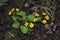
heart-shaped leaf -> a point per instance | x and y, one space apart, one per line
30 17
15 25
22 14
24 29
14 18
39 18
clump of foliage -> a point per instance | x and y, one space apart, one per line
29 21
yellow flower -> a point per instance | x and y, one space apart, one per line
47 17
12 9
43 13
35 20
36 14
31 25
44 21
10 13
17 9
26 24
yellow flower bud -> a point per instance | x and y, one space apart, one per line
43 13
35 20
9 13
31 25
36 14
12 9
44 21
47 17
17 9
26 24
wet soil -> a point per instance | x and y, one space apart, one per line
39 32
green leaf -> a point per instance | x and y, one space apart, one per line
14 18
39 18
16 25
22 14
30 17
24 29
2 2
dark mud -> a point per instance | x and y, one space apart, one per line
39 32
